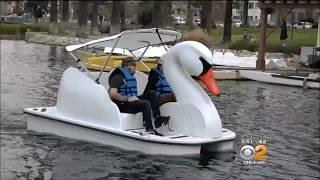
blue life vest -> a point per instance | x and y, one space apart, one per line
162 86
129 88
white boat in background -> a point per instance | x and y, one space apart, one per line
311 81
229 59
85 111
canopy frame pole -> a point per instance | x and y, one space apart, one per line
81 65
105 64
157 31
140 58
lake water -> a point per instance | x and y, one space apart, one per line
287 117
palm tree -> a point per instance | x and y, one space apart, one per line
53 28
94 18
82 19
227 22
115 18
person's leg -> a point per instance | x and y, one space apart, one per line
143 106
167 98
138 106
151 96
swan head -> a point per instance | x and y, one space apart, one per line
197 60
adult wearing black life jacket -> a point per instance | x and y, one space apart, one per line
158 83
124 93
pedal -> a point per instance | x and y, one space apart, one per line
142 134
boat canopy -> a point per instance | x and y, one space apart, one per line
132 39
152 51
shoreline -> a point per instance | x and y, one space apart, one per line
11 37
58 40
45 38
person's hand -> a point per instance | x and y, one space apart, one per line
133 98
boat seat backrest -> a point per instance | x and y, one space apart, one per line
142 80
81 98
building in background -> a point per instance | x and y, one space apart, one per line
253 12
296 15
274 19
179 9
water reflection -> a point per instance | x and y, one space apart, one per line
52 55
205 159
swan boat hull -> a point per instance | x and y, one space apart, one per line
131 139
274 78
84 110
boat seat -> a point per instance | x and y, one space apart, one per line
131 121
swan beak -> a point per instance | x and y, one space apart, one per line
208 80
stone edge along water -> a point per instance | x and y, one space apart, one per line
45 38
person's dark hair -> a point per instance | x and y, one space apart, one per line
128 61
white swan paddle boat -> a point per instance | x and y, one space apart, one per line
311 81
85 111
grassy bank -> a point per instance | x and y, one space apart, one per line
301 37
20 29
